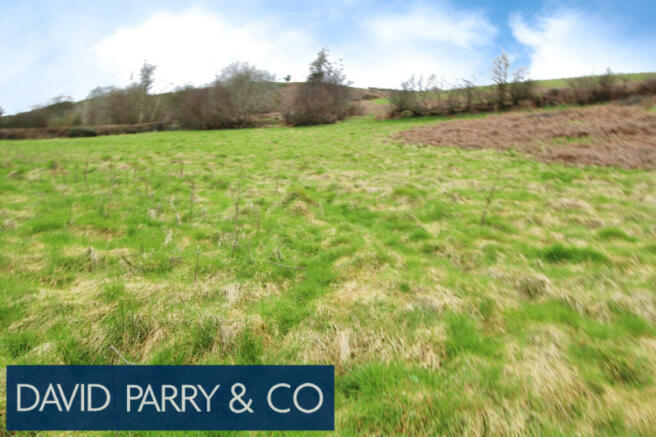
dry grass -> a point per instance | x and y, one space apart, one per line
612 135
353 250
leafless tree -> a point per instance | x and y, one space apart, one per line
522 86
146 80
417 96
234 99
323 97
247 91
499 76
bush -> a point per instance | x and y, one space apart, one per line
123 105
237 95
605 88
323 98
596 89
521 88
417 97
499 76
247 91
81 132
648 86
193 108
57 132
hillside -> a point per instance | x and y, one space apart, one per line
457 290
68 113
63 114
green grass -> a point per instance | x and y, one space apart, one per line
564 82
381 101
338 245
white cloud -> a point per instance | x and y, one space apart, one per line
464 29
452 44
194 46
569 43
190 47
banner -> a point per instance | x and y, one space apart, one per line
170 398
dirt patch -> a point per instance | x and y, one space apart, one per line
610 135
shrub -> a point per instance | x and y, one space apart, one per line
323 98
193 108
605 86
595 89
521 88
123 105
499 76
247 91
82 132
237 95
417 97
468 89
648 86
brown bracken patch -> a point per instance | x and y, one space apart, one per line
609 135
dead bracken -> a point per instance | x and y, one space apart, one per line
608 135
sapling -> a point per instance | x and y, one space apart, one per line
490 196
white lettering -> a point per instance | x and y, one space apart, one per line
108 397
170 398
208 398
50 393
308 384
190 398
130 397
271 390
18 397
152 401
68 402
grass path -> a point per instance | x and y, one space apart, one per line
338 245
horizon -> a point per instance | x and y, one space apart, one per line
71 50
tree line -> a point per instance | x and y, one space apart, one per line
243 95
238 96
510 89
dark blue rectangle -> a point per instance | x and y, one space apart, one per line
170 398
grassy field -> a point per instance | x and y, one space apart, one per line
339 245
565 82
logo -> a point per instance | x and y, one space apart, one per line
170 398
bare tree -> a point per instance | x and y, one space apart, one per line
468 87
605 86
192 107
146 80
323 98
522 86
96 106
146 76
237 95
124 105
417 96
248 91
2 111
499 76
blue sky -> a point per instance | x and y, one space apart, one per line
51 48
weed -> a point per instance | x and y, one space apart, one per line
558 253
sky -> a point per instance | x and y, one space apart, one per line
50 48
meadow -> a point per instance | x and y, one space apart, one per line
457 292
